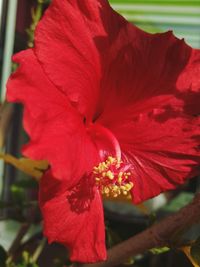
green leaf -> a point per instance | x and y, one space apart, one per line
18 193
195 251
3 257
129 261
26 257
178 202
159 250
8 232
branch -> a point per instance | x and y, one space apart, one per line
6 113
22 231
160 234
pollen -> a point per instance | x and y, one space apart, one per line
113 177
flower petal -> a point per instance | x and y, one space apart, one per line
156 127
74 218
105 59
143 67
56 130
188 84
163 153
64 46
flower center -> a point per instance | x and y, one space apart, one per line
113 177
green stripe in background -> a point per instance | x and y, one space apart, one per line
181 16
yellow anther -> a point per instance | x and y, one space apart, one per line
115 188
111 179
123 188
110 160
129 186
119 180
110 175
120 174
106 190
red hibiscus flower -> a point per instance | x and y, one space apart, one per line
112 108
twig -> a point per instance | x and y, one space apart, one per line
38 250
34 168
186 250
160 234
6 113
22 231
36 14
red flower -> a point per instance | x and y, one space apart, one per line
112 109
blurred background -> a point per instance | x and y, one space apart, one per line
21 240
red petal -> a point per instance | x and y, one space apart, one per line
155 128
74 218
163 153
133 74
106 60
188 84
141 67
65 47
56 129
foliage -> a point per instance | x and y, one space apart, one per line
159 250
26 261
